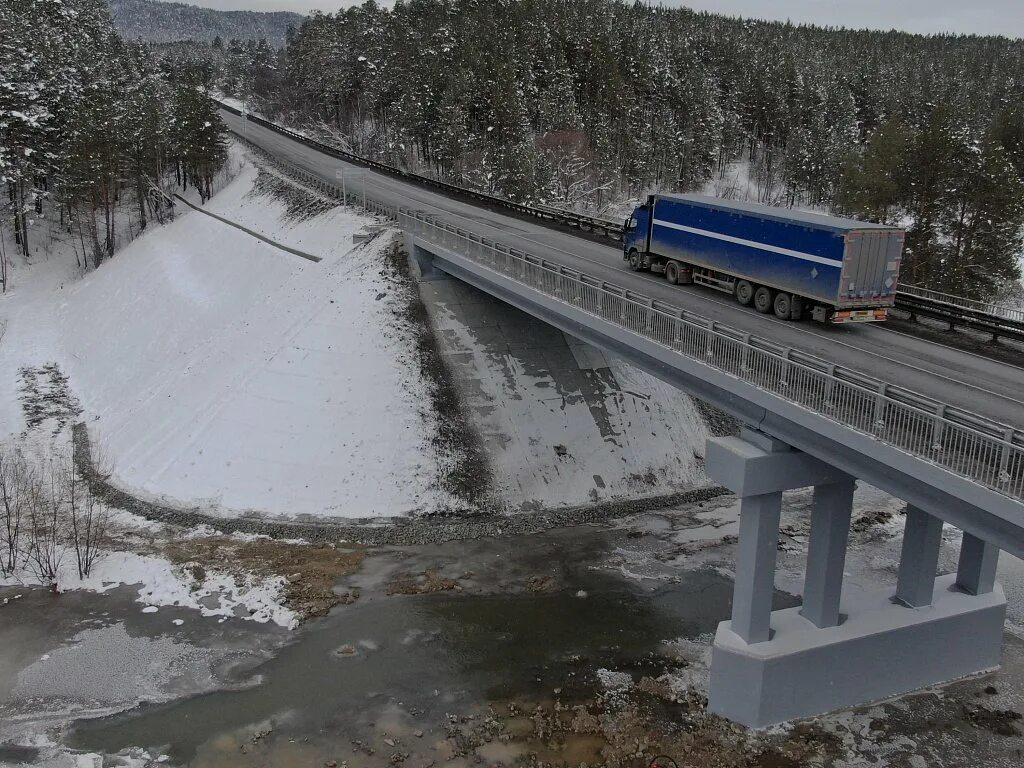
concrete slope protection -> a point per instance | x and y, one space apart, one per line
987 387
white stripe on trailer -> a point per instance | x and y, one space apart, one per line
751 243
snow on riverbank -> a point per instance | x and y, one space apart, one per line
214 369
211 592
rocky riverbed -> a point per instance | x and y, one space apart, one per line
575 645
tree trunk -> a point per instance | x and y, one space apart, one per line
140 192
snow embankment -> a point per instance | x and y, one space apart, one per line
215 369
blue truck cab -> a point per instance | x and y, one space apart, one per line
635 232
790 263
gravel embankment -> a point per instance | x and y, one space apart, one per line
405 531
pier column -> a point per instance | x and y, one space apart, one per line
976 571
826 552
759 468
919 558
771 666
755 566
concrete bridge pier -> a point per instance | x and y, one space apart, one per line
839 648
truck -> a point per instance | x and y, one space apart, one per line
791 263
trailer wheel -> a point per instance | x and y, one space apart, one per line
744 292
634 260
672 272
763 300
783 305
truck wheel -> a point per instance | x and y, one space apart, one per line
763 300
744 292
634 260
783 305
672 272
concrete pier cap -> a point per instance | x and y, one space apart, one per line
841 648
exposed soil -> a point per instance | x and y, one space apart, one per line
464 469
421 584
647 724
300 204
310 571
46 395
870 520
1003 722
719 423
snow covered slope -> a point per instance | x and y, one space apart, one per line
562 424
216 369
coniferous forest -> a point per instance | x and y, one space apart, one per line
589 103
94 129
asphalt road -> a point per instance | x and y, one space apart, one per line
975 383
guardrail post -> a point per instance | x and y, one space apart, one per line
830 386
784 378
1004 458
880 403
938 428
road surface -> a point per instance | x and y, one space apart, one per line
988 387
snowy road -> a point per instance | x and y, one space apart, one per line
977 383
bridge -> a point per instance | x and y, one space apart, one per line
822 407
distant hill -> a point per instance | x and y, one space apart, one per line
159 22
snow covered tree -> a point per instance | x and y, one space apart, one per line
579 101
84 124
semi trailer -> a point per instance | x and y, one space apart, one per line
790 263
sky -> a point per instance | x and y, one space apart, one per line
994 17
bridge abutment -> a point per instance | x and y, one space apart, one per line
422 261
839 649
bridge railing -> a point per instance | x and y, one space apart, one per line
1015 314
986 452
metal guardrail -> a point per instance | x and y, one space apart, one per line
603 227
999 327
1001 311
964 443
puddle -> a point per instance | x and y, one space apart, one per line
420 658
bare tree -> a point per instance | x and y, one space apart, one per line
89 518
47 535
15 482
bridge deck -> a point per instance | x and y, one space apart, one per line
976 383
